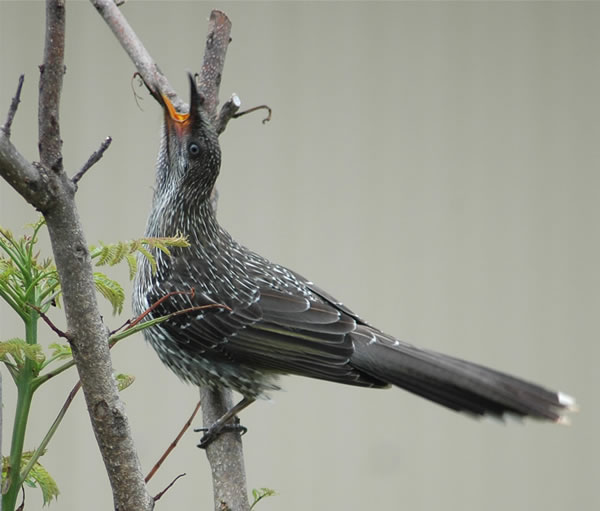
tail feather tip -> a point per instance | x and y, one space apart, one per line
568 402
563 421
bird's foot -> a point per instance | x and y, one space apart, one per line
211 434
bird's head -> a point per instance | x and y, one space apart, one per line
190 156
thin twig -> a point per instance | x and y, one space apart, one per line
47 320
126 324
41 448
160 494
94 157
191 292
179 312
254 109
14 105
173 444
140 84
22 505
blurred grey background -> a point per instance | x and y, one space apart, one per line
434 165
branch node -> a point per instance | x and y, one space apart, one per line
227 112
95 156
14 104
48 321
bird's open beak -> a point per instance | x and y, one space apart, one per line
175 121
180 122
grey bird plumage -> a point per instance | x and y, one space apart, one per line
276 321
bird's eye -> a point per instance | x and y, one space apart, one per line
194 149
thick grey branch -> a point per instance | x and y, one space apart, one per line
88 335
217 42
225 454
29 181
230 487
144 63
51 75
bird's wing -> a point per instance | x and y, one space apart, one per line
271 329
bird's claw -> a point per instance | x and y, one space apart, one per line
211 434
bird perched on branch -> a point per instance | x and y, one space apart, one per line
265 320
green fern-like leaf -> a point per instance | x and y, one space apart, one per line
151 259
111 254
124 381
162 242
132 265
261 493
60 351
101 253
19 350
39 476
115 253
111 290
121 250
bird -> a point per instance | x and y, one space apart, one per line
241 321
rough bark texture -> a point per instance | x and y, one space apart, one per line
217 41
48 188
144 63
225 454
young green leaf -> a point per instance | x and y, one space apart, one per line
132 265
261 493
38 474
19 350
111 290
124 381
60 351
115 253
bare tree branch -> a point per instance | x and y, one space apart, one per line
254 109
14 104
48 188
161 493
217 41
227 112
51 80
29 181
144 63
93 159
172 445
225 454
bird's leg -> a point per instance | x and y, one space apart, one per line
223 424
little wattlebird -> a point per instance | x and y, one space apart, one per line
265 320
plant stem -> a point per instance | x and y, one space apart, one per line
42 447
24 396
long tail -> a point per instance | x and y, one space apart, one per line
452 382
